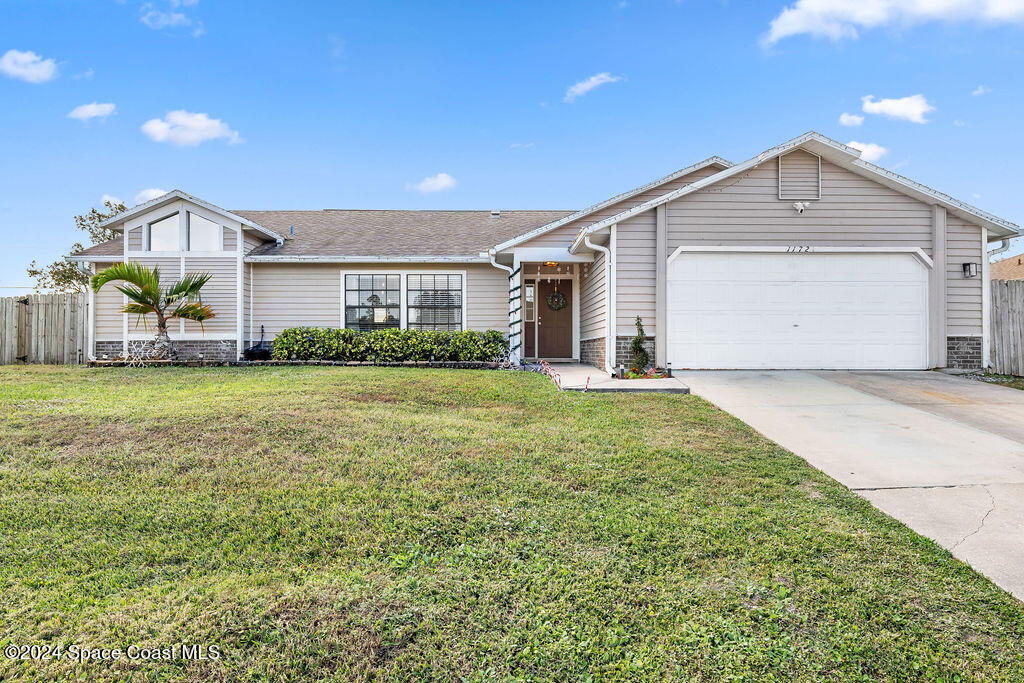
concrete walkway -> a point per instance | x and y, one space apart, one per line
942 454
579 377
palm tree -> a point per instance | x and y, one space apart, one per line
142 287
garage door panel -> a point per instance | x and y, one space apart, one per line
807 310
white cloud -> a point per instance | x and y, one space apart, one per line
85 75
912 108
27 66
839 19
959 123
869 151
981 90
520 145
434 183
158 18
96 110
187 129
109 198
151 193
583 87
850 119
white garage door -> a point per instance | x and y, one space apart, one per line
807 310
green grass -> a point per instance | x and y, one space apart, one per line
342 523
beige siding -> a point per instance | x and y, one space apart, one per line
564 235
798 175
635 273
963 295
230 239
249 333
593 314
853 211
290 294
487 298
109 320
135 241
219 293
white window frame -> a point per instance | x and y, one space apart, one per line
188 234
147 236
403 294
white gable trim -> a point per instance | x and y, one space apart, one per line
536 232
837 153
178 194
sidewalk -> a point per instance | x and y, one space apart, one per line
579 377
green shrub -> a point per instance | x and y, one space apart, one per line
388 346
641 360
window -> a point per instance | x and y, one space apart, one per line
372 302
435 302
203 235
529 303
163 235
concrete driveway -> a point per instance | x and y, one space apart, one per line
942 454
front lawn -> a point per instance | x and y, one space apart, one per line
349 523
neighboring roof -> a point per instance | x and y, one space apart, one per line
112 248
1008 269
179 194
575 216
836 152
374 235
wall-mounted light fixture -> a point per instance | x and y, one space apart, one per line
970 269
551 264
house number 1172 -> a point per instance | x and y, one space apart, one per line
798 249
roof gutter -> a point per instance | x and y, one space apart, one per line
363 259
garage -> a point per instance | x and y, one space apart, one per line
797 308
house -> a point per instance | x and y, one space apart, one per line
1008 269
803 256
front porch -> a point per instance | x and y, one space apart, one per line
551 311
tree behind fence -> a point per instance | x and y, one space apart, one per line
1007 327
43 328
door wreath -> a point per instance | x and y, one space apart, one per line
556 300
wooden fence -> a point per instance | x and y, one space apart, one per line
1007 327
44 328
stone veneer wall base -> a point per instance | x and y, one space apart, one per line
623 352
184 349
592 352
963 353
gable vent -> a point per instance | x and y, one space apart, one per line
799 175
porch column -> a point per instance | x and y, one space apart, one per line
515 312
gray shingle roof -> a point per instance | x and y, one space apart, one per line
111 248
342 232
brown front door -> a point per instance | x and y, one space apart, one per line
554 327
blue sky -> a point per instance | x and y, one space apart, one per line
310 105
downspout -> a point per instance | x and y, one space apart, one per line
509 270
609 343
1003 246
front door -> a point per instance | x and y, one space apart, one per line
554 319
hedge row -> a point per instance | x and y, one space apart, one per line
316 343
